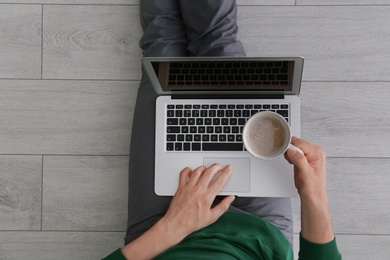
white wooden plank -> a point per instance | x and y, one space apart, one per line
85 193
265 2
20 41
340 43
358 191
58 245
73 2
349 119
20 192
66 117
343 2
91 42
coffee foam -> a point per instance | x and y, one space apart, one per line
266 137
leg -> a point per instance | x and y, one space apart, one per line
211 27
164 33
163 36
212 31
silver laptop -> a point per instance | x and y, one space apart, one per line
202 107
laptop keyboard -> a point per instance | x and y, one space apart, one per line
229 73
214 127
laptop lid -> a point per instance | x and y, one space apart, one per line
230 76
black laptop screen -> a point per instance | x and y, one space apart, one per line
225 75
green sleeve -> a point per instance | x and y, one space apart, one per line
309 250
116 255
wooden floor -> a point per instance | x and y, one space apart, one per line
69 73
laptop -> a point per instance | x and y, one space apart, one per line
201 109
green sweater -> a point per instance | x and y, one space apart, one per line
242 236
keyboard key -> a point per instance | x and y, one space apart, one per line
284 106
229 113
205 138
218 129
201 129
216 121
210 129
186 146
171 113
180 138
179 106
231 138
171 106
195 113
171 138
238 138
178 146
196 146
241 121
173 129
214 138
226 129
233 121
222 147
222 138
179 113
169 146
266 106
184 129
193 130
235 129
212 113
225 121
183 121
275 106
187 113
197 138
191 121
172 121
254 112
188 138
283 113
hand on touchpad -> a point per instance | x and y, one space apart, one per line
239 180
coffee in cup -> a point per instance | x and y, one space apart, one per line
267 135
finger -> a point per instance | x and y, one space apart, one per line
209 174
305 146
196 174
220 181
222 207
184 176
311 151
297 159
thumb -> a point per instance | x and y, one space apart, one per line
297 159
222 207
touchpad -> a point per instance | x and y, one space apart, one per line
239 180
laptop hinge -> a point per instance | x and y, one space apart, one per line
229 96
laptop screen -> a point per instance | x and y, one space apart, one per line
217 75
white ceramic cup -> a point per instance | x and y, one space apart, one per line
267 135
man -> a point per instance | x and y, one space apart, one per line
196 224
